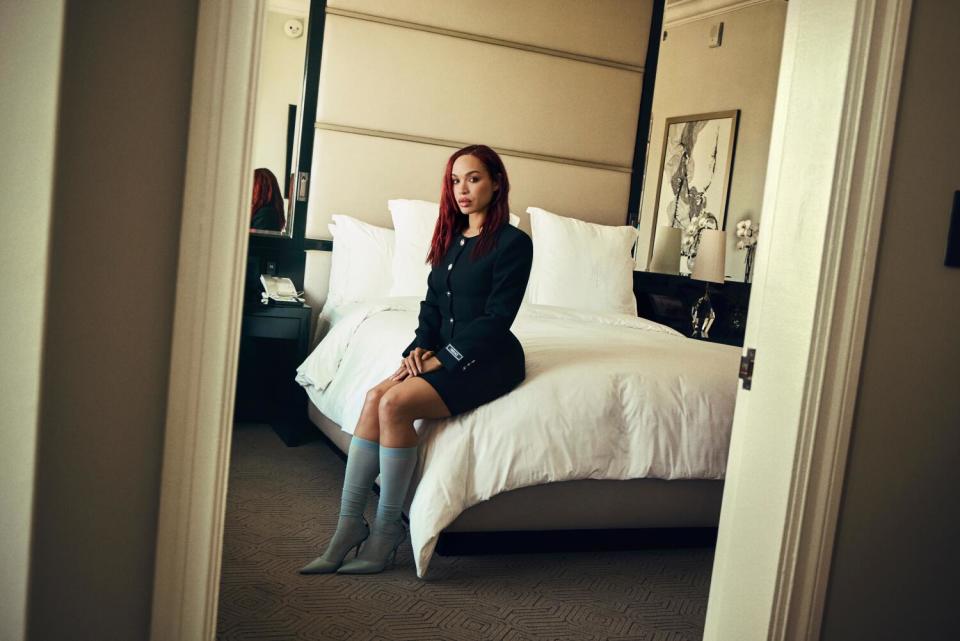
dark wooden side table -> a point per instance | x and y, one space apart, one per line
667 299
273 342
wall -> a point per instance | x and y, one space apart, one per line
553 85
117 197
279 85
31 72
896 559
693 78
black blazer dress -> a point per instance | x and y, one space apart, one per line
466 317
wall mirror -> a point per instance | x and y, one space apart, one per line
712 116
277 117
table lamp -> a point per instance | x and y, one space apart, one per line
666 250
708 267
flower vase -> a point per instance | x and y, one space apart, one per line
748 268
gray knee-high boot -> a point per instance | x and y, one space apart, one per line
363 464
388 532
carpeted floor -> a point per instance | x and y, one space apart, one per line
282 507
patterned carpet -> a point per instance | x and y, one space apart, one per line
282 507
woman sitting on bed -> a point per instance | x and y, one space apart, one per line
463 355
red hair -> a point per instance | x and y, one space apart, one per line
451 222
266 193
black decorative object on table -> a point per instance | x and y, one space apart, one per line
702 316
273 342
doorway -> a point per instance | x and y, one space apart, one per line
784 576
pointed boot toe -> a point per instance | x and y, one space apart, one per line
379 550
334 556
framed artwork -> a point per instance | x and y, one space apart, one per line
694 180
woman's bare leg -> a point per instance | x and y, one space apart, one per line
401 404
368 426
363 464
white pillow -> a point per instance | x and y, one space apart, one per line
414 222
581 265
361 261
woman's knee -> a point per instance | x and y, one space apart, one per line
374 394
392 405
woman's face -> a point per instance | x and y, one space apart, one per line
471 184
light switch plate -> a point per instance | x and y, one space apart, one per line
716 34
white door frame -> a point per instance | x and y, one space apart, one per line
824 196
841 214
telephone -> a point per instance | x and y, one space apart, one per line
279 291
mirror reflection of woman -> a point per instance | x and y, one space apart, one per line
463 355
266 210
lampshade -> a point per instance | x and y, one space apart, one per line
666 250
711 256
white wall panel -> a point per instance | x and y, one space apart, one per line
394 79
356 175
609 29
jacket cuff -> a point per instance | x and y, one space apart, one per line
416 343
452 359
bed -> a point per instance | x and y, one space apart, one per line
620 423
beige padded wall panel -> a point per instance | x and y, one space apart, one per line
356 175
593 195
613 29
387 78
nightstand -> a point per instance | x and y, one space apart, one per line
273 343
667 299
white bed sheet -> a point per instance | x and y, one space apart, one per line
606 396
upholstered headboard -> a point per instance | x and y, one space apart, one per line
553 85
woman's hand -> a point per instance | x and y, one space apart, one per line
431 364
417 362
401 373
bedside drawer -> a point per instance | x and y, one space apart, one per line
267 327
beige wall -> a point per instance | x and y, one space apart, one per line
693 78
31 72
119 164
896 559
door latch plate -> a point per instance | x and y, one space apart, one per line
746 367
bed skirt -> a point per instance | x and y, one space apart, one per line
578 504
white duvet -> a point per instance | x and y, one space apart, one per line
606 396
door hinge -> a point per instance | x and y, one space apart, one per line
303 183
746 367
